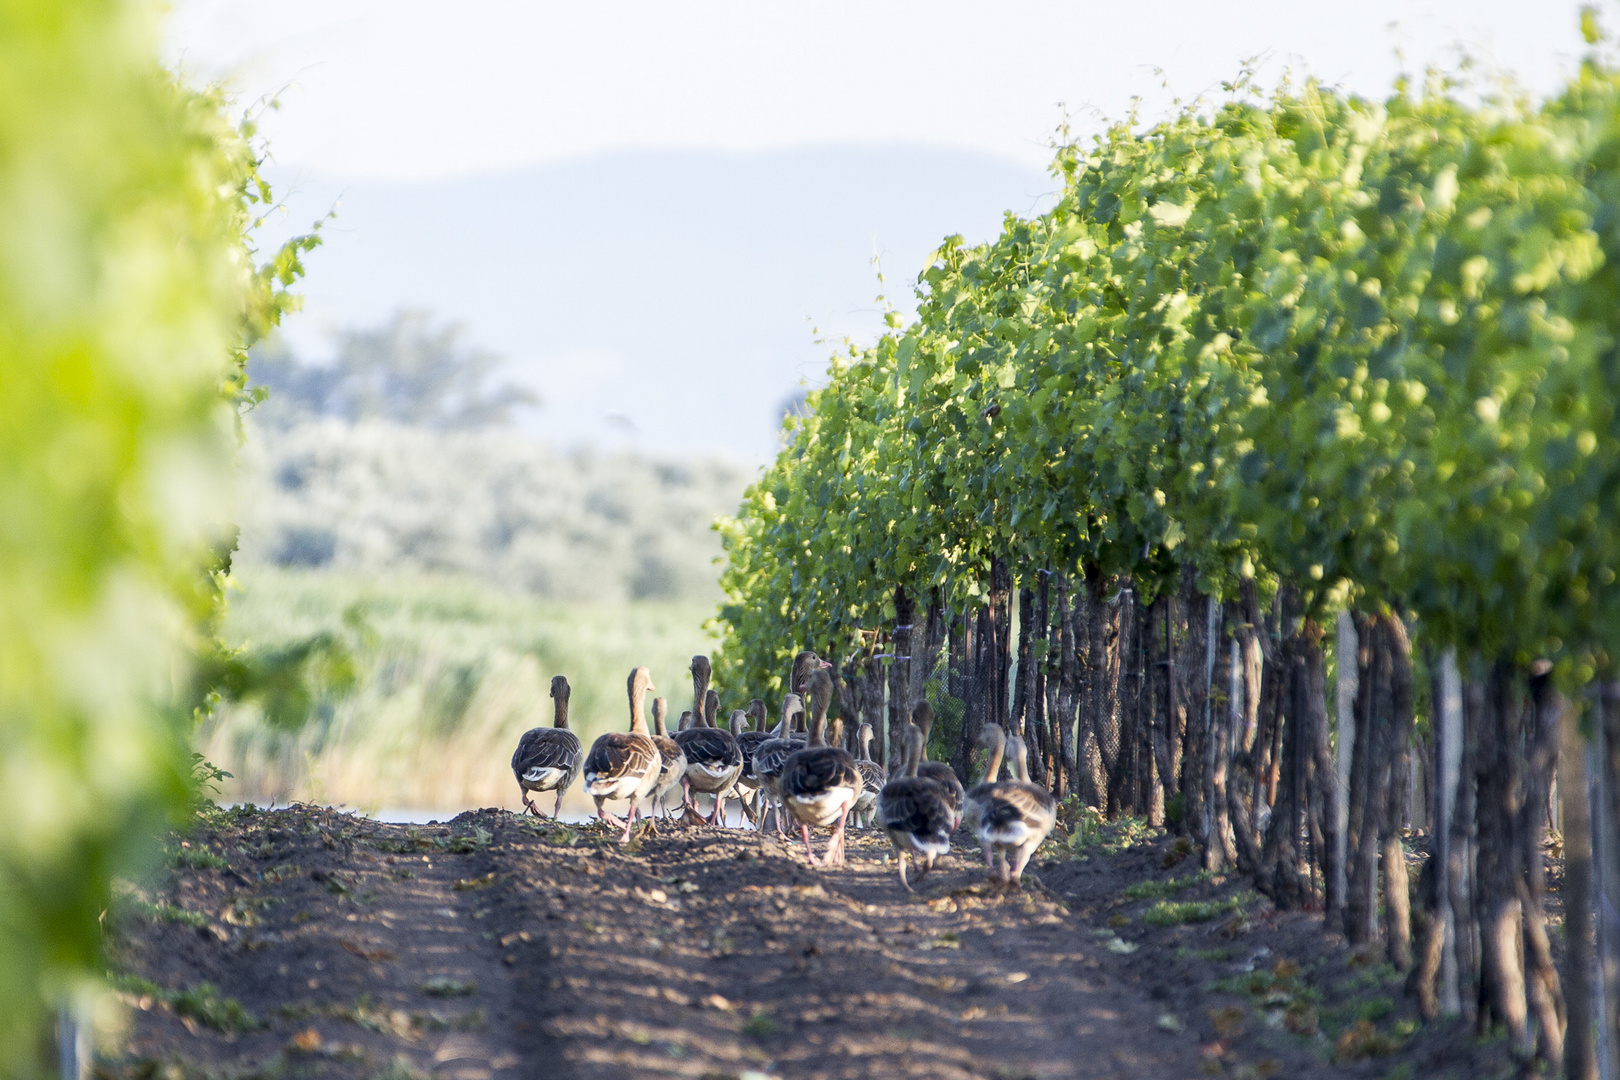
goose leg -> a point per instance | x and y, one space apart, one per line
836 844
1024 854
809 852
630 820
555 810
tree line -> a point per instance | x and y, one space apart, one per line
1292 399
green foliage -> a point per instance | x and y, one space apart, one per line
202 1003
444 986
1176 912
129 294
1157 890
1364 347
1088 828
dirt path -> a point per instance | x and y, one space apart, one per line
496 947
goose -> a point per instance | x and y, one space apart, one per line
712 758
673 767
820 782
773 752
747 743
914 812
922 715
624 765
741 791
873 775
1015 816
993 739
548 758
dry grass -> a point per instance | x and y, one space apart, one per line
451 673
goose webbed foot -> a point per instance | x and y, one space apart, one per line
609 817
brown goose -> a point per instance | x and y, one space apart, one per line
673 767
624 765
738 726
914 813
773 752
1015 816
712 758
993 739
820 782
873 776
922 715
548 758
747 743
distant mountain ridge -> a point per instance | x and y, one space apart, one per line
660 300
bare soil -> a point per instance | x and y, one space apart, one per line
493 946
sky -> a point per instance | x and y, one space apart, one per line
654 209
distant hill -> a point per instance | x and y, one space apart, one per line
661 301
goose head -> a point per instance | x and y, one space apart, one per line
1020 757
992 738
637 686
792 713
701 672
660 710
804 663
821 690
922 717
756 713
559 697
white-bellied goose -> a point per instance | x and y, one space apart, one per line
820 782
773 752
673 769
873 777
922 715
1014 817
913 812
625 765
712 758
548 758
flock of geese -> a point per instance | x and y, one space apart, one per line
792 771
